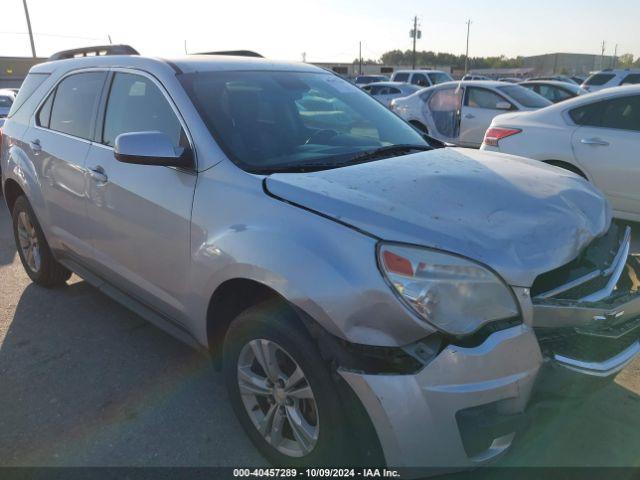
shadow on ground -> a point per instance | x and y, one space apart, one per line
85 382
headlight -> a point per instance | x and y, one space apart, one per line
452 293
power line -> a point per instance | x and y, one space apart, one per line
466 55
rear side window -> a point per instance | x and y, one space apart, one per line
75 103
137 105
631 79
30 84
401 77
438 77
619 113
599 79
44 115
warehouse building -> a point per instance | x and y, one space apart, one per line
13 70
568 63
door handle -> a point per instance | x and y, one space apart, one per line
35 145
468 115
596 142
97 174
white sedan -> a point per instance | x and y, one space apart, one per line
596 136
460 112
384 92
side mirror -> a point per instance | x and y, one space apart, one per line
151 148
503 106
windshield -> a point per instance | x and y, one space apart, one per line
264 120
439 77
524 96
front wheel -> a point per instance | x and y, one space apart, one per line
284 394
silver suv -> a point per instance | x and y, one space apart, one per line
371 297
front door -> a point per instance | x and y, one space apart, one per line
140 214
480 107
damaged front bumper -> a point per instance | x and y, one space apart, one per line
590 324
461 410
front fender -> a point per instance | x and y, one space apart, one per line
326 269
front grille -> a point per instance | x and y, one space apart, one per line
592 276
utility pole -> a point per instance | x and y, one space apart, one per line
360 56
304 57
415 34
26 13
614 61
604 44
466 55
185 48
110 41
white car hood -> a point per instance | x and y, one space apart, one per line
519 217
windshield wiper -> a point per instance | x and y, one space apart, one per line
387 151
378 153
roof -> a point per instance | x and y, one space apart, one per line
186 64
418 70
393 84
555 83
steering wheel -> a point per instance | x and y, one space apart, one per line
325 133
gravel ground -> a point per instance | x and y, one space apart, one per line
84 382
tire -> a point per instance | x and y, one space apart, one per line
338 442
34 251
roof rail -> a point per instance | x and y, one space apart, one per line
100 50
236 53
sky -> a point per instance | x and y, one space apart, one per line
324 30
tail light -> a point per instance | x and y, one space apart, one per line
495 134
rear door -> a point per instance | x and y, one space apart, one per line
479 109
606 145
140 215
58 145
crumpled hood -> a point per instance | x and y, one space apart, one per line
519 216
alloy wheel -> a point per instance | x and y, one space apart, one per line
28 239
278 398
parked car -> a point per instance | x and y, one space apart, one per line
578 79
595 136
367 79
384 92
470 77
557 78
510 79
6 100
554 90
422 78
370 298
460 112
611 78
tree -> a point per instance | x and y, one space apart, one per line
626 60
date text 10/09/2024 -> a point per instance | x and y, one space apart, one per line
315 473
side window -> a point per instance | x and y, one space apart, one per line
137 105
631 79
482 98
622 113
368 88
393 90
420 79
401 77
5 102
30 85
75 104
44 115
587 115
